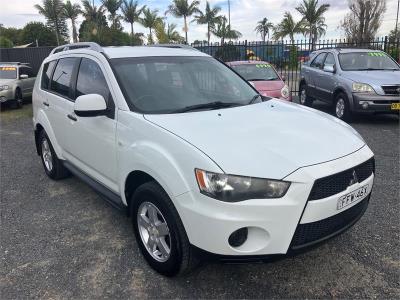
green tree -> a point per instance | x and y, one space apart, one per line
38 32
288 27
131 13
209 17
52 10
263 28
5 42
182 8
72 12
149 20
224 31
166 33
94 14
11 33
113 6
313 19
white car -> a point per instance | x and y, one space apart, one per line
201 162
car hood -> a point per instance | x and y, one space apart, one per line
267 140
6 81
374 77
268 85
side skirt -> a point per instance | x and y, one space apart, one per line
109 196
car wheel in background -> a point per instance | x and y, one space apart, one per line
52 165
159 231
18 101
342 108
304 99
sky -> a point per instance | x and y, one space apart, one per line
244 15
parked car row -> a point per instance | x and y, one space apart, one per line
16 82
198 158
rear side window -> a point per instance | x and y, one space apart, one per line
47 70
61 80
91 80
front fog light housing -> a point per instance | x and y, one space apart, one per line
362 88
233 188
285 92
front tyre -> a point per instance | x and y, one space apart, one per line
159 231
18 101
51 164
342 107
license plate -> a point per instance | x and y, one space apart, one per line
395 106
352 197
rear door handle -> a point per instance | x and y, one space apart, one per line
71 117
46 104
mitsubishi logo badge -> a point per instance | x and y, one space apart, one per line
354 178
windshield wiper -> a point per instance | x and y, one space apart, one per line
211 105
254 98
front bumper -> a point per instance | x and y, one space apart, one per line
374 103
6 95
271 223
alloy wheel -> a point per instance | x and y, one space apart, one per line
154 231
340 107
46 155
303 96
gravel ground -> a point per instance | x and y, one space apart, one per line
61 240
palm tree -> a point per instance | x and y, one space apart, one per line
131 12
224 31
263 27
113 6
150 20
288 27
92 13
209 17
182 8
52 10
72 12
314 21
166 33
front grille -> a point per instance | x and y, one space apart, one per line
391 89
311 233
336 183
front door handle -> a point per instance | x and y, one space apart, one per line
46 104
71 117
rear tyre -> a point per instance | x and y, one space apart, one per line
304 99
51 164
159 231
342 107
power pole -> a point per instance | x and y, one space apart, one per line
397 19
229 13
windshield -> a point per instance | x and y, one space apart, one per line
170 84
359 61
8 73
256 72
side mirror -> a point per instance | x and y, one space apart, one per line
23 76
329 68
90 105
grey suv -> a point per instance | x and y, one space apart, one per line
352 80
16 82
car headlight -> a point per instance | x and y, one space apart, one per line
362 88
233 188
4 87
285 91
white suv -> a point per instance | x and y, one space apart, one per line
199 159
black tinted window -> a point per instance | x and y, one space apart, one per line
318 61
91 80
61 80
47 69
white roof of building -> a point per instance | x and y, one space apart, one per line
143 51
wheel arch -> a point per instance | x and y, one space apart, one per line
339 90
42 123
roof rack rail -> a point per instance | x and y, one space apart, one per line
90 45
13 63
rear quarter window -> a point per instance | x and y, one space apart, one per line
46 74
